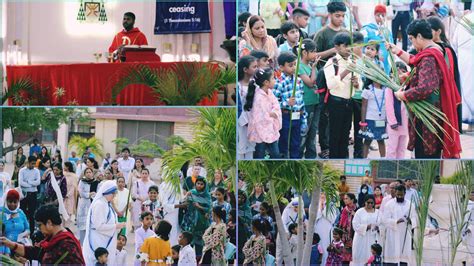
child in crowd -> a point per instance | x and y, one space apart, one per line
247 68
376 258
316 250
265 114
336 248
187 255
308 73
292 35
175 254
101 255
293 239
143 232
220 201
373 117
262 58
153 205
290 105
397 120
121 253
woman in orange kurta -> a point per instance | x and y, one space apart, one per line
156 250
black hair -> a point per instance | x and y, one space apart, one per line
291 227
99 252
342 176
57 165
43 161
287 26
126 149
401 65
122 235
48 212
254 19
153 187
364 186
201 179
176 248
188 236
261 75
163 230
260 225
243 194
379 187
357 37
221 190
338 231
69 166
232 215
145 169
336 6
352 197
307 45
437 24
244 62
243 17
32 159
138 159
145 214
220 212
342 38
316 238
399 181
367 197
286 57
422 27
131 15
401 188
259 54
377 248
300 12
266 206
94 162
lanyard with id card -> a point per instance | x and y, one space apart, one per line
379 123
295 115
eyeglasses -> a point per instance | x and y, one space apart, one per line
369 202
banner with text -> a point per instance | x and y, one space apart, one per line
182 17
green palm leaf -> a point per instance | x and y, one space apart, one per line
81 143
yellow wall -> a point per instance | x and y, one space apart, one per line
106 130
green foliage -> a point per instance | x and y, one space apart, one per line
181 85
81 143
147 148
214 141
121 143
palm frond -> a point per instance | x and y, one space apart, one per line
18 90
466 23
134 75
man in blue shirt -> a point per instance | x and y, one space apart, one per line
35 147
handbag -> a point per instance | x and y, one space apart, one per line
229 251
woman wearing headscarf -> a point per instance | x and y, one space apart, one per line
255 37
245 213
345 223
363 192
86 194
196 218
17 228
101 224
60 179
323 225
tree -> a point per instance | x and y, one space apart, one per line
214 140
81 143
31 120
303 176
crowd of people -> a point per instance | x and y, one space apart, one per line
366 227
283 114
51 205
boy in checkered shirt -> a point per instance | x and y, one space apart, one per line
284 91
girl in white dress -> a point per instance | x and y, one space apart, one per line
140 195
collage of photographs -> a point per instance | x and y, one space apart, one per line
237 132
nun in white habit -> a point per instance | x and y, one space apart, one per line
169 198
101 225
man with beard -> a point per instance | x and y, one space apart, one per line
129 36
399 218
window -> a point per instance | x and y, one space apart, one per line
399 169
156 132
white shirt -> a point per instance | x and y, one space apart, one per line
126 166
202 172
411 193
121 257
375 100
187 256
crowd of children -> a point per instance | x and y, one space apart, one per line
282 114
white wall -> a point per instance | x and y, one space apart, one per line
50 33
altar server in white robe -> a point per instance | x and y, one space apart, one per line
323 225
366 223
102 226
399 217
169 198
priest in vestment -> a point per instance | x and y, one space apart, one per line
399 218
129 36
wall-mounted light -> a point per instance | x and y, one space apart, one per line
167 52
194 56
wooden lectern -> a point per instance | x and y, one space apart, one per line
135 53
